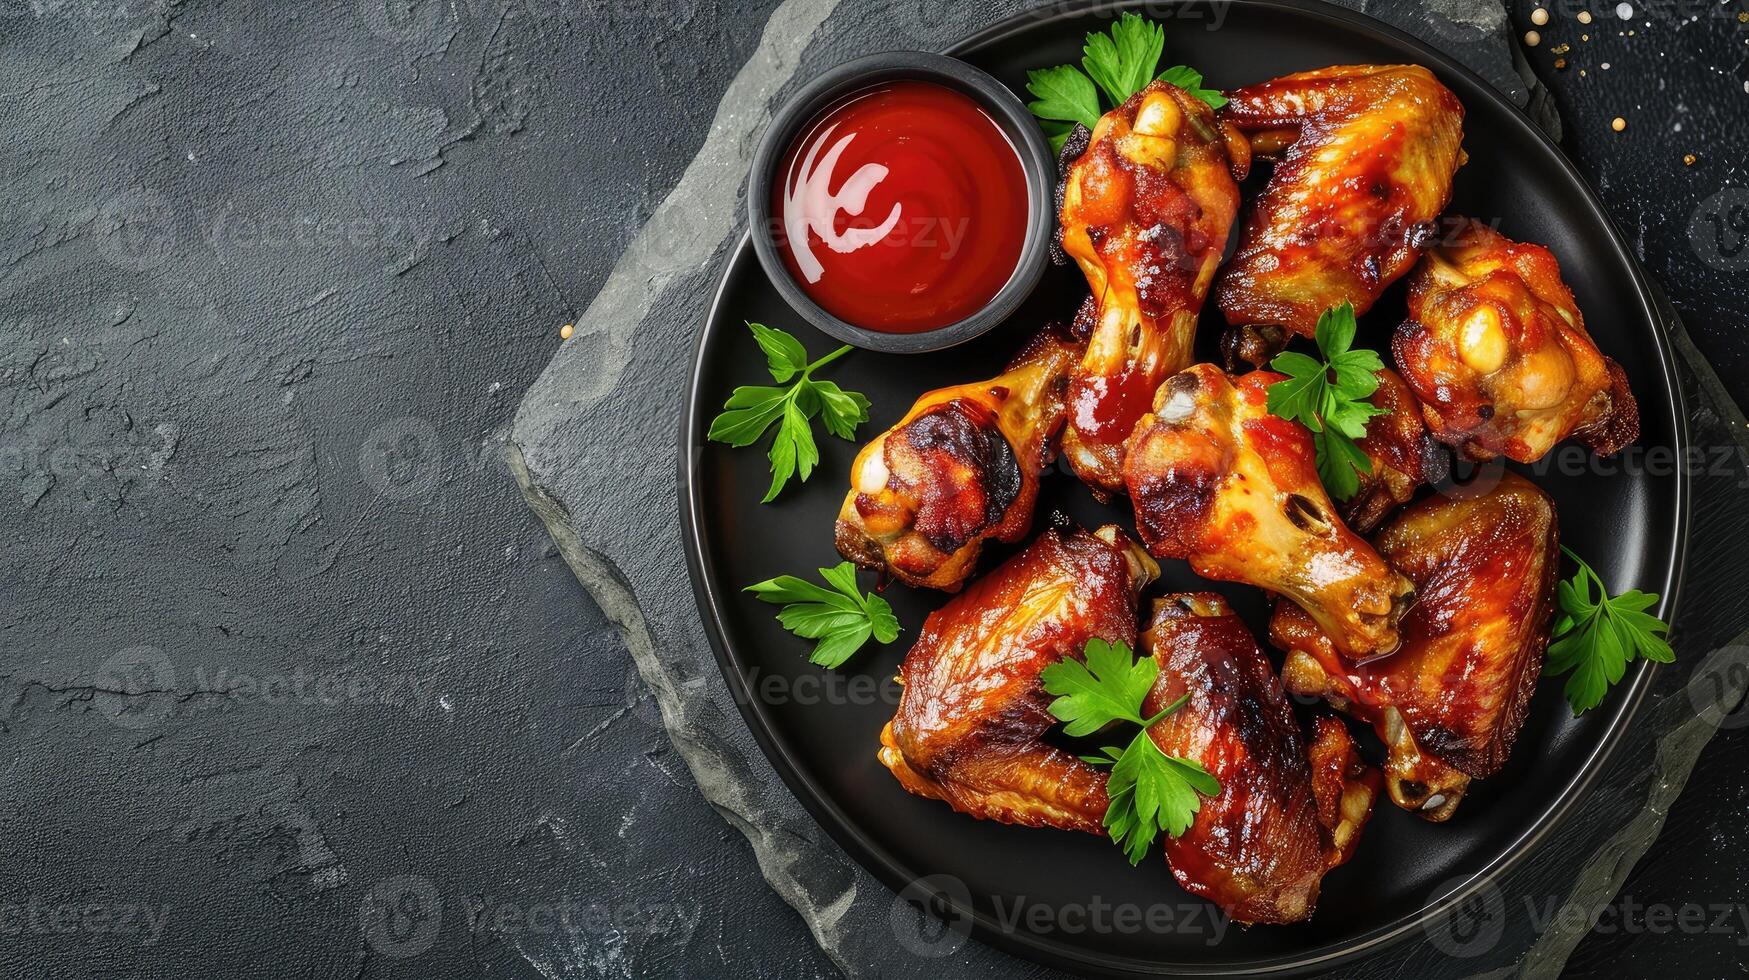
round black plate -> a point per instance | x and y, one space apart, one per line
822 738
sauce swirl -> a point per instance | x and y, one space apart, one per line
901 208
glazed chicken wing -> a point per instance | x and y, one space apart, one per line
1218 480
1450 702
1402 454
1366 156
1497 351
1260 847
973 709
959 469
1145 212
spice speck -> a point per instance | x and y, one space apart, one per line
1532 38
1688 159
565 331
1584 16
1539 17
1618 124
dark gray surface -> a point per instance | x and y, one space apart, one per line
275 279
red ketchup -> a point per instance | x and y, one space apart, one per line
901 208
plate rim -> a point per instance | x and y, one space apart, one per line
847 831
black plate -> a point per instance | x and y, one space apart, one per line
1631 527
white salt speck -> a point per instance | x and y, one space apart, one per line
444 702
1676 128
1604 66
1625 11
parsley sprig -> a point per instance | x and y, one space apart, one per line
1597 636
751 409
1330 397
842 618
1119 63
1149 790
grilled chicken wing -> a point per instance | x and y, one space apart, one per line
1402 454
1497 351
1145 212
1366 156
973 709
1450 702
1218 480
1260 847
959 469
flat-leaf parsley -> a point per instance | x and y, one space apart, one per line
751 409
1149 790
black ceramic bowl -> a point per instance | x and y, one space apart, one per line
1009 114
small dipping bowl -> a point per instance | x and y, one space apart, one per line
845 186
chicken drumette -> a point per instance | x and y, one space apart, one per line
1365 158
961 468
970 720
1450 702
1260 847
1145 212
1497 351
1218 480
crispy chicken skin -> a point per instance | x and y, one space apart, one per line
1145 211
1449 704
973 709
961 468
1344 786
1218 480
1260 847
1497 352
1402 454
1365 156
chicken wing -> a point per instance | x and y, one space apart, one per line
1218 480
1260 847
1449 704
959 469
1366 156
1402 454
973 709
1497 351
1145 212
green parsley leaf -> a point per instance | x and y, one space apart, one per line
784 353
841 618
840 411
1330 397
1598 636
1108 687
751 409
1122 62
1190 80
1149 790
1065 95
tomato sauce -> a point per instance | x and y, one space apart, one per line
901 208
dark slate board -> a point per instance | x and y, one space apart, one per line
589 447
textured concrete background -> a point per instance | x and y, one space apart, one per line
293 682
